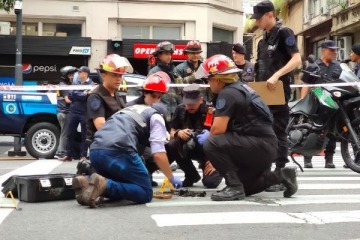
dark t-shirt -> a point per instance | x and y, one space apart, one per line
230 102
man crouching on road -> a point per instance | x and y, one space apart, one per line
116 153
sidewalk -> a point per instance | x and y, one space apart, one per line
7 143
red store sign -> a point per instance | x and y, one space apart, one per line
144 50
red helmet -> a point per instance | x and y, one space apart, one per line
193 47
157 82
115 64
217 64
164 47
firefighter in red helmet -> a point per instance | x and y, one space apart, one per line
241 143
163 55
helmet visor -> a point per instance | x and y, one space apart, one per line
201 72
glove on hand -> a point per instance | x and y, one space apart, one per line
176 182
190 79
203 136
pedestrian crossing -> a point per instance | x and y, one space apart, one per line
325 196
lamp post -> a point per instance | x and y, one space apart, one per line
18 70
18 43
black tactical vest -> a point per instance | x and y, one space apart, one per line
257 120
271 58
111 105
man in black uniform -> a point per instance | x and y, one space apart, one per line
329 66
241 144
105 99
277 57
187 122
238 54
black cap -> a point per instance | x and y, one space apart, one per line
329 44
191 94
84 69
356 48
239 48
261 8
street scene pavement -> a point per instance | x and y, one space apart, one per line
327 206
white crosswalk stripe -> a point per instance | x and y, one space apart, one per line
318 186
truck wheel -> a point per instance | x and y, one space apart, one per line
42 140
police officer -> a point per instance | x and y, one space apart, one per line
187 122
187 69
329 66
241 143
238 54
154 87
105 99
77 116
277 57
63 104
163 55
116 156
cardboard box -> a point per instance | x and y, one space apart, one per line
270 97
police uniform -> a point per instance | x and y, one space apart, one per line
117 148
184 152
333 70
274 52
249 145
101 104
247 73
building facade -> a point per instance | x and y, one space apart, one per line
59 33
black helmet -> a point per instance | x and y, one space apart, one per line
65 71
164 47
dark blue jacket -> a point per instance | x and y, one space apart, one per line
78 99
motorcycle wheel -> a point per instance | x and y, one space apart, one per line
350 156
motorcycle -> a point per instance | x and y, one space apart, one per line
327 110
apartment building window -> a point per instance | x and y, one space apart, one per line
223 35
170 32
61 30
315 6
28 29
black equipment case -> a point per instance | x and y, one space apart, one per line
41 188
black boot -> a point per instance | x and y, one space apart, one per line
234 189
276 187
288 178
329 162
307 162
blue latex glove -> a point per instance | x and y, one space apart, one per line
176 182
203 136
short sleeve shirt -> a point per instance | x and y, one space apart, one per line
231 103
95 107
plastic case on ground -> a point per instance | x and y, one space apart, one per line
41 188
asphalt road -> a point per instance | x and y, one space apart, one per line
327 206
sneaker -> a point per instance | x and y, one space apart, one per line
95 190
173 166
59 155
80 184
66 159
83 159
